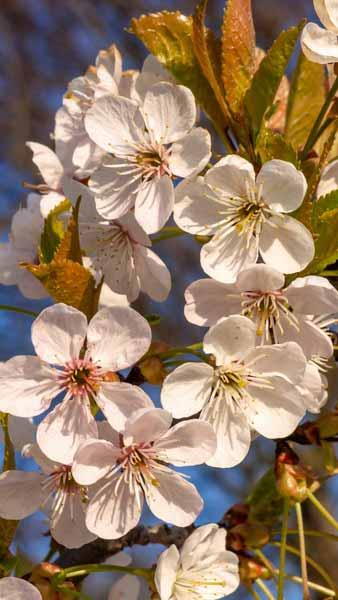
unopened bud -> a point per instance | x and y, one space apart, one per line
152 368
41 577
236 515
251 569
253 535
291 477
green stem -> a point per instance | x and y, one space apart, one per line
266 562
9 455
83 570
312 533
265 589
329 273
282 554
313 563
303 563
323 511
167 233
17 309
317 124
311 584
192 349
254 593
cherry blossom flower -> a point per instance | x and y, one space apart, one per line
24 492
203 569
13 588
120 250
72 142
318 44
280 314
329 179
114 339
245 217
248 388
152 143
135 467
24 238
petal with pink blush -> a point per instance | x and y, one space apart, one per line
93 461
68 524
146 425
118 401
189 443
21 494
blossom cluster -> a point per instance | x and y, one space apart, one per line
129 155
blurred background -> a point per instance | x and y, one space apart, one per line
43 45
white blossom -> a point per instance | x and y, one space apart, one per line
114 339
329 179
248 388
24 239
246 217
202 570
281 314
135 466
13 588
152 143
320 44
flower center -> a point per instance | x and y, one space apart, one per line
267 310
81 377
61 484
153 162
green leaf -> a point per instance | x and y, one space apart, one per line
261 94
266 503
70 245
168 35
306 98
238 52
325 219
53 232
272 145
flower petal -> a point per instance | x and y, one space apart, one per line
154 203
208 300
126 588
58 333
27 386
319 45
312 339
201 542
189 443
327 11
117 337
114 188
172 499
13 588
312 295
286 244
227 254
66 427
262 278
169 111
231 176
93 461
283 187
197 208
329 179
118 401
191 382
154 275
230 339
285 360
48 164
21 494
191 154
115 509
146 425
68 523
166 571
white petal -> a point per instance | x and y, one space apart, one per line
191 154
114 189
75 190
155 278
312 339
48 164
227 254
169 112
285 359
231 176
208 300
21 494
319 45
113 124
115 509
93 461
232 431
21 431
230 339
203 541
108 298
68 523
58 333
146 425
217 576
118 401
172 499
197 208
117 337
154 203
109 67
283 187
29 286
13 588
126 588
312 295
9 268
186 390
327 11
50 201
189 443
329 180
27 386
286 244
66 427
261 278
275 413
166 572
314 389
